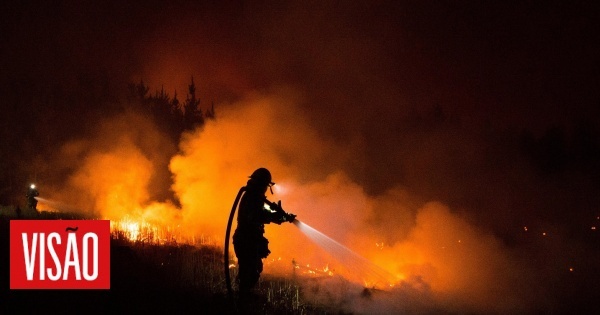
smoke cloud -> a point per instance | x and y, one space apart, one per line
115 172
440 258
417 134
433 251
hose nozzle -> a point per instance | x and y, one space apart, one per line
290 217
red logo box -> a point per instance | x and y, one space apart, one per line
60 254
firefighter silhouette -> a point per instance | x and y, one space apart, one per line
249 243
31 194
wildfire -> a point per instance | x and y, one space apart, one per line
310 270
316 271
279 265
146 232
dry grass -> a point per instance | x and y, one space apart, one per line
200 269
151 274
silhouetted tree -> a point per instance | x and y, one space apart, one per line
161 104
175 106
192 115
138 91
210 113
168 113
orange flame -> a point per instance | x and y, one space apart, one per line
415 242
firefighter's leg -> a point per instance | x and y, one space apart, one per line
249 273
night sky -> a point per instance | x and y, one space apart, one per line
491 108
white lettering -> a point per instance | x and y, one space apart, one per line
55 271
72 258
29 254
56 276
86 273
42 255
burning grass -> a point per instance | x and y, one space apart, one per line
198 267
152 269
142 231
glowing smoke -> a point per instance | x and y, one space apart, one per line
437 256
460 266
114 170
363 270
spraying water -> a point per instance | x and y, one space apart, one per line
369 273
57 205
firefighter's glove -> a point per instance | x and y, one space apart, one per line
278 208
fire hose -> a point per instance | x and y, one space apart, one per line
226 251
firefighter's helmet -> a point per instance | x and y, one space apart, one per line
262 176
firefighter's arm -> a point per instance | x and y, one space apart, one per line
279 215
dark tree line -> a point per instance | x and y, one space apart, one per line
172 115
38 117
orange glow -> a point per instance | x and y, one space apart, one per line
423 245
142 231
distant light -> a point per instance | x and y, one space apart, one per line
571 269
32 186
593 227
544 233
525 228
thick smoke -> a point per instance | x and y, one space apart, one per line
399 137
440 258
433 252
115 172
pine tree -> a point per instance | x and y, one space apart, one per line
210 113
175 106
192 115
138 91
